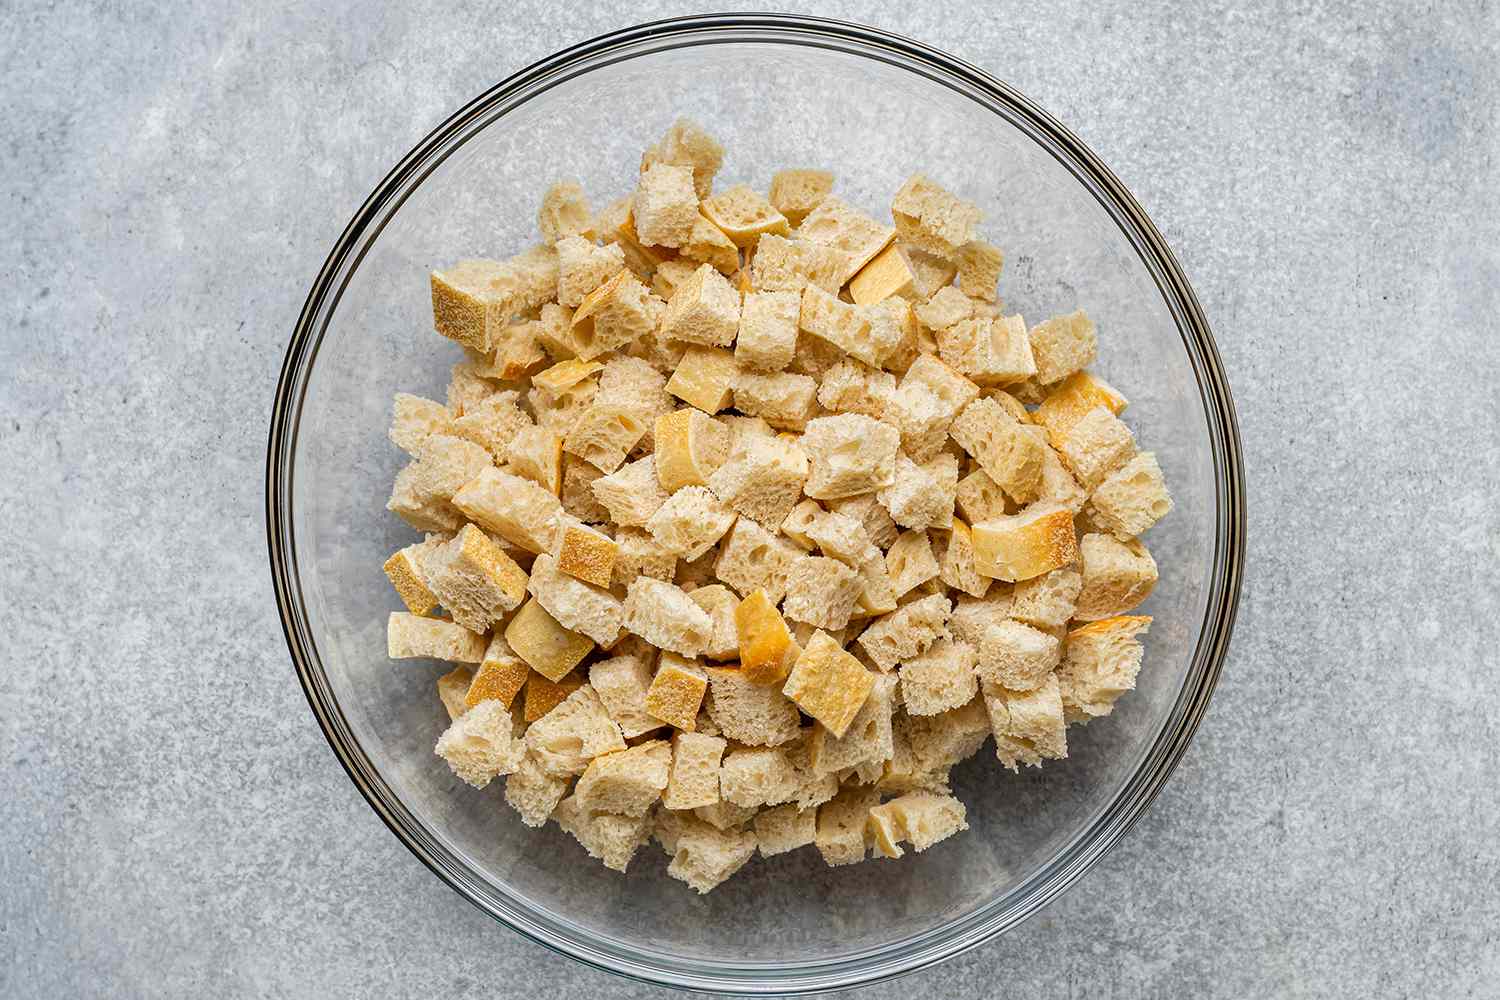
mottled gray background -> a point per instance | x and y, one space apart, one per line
171 820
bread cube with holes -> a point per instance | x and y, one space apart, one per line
752 558
762 481
705 857
533 793
691 522
867 742
414 420
611 839
676 691
721 604
744 215
1020 546
958 567
1100 663
940 679
785 265
687 144
828 684
475 580
928 399
836 223
516 509
1015 656
767 336
922 496
622 683
785 400
424 489
1049 600
1132 498
750 713
758 776
413 636
785 828
1063 345
690 445
704 309
979 266
1097 445
841 824
931 218
907 632
910 562
666 617
583 267
849 454
1008 451
480 744
627 782
1029 726
822 592
665 206
564 213
707 244
693 781
576 605
795 193
573 733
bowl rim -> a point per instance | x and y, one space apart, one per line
1088 845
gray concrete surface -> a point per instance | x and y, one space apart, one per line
172 823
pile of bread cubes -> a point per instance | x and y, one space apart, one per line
747 523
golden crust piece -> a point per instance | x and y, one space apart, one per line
744 215
676 692
550 649
767 651
828 683
500 676
1020 546
543 695
586 554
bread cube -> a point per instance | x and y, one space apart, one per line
720 603
979 267
424 489
1015 656
940 679
1117 576
705 378
576 606
534 793
766 649
1071 399
1029 726
468 305
785 828
1132 498
707 244
671 273
695 573
988 351
907 632
750 713
783 265
828 684
930 218
676 692
893 327
752 558
641 258
743 215
768 330
851 387
633 384
922 818
910 562
414 419
940 741
705 857
849 454
560 412
799 521
553 331
1047 601
691 522
758 776
493 423
535 453
841 537
1020 546
604 435
944 309
979 498
1008 451
1058 485
1095 446
480 744
957 567
822 592
407 573
452 689
612 315
762 481
500 676
876 520
1063 345
930 272
930 396
632 493
666 617
922 496
516 509
411 636
665 205
543 695
841 825
867 742
786 401
705 309
888 273
627 782
971 615
611 839
1100 663
837 323
574 733
564 213
638 554
689 447
621 683
694 778
586 554
836 223
795 193
583 267
687 144
546 645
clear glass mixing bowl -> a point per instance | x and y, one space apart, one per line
778 92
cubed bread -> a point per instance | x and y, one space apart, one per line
695 573
758 776
452 689
691 522
766 649
1020 546
743 214
543 695
893 328
841 537
930 218
1049 600
1063 345
705 857
750 713
836 223
988 351
721 604
534 793
553 331
705 378
799 521
922 818
468 385
411 636
979 267
841 825
424 489
676 692
705 309
614 314
577 606
535 453
586 554
1095 446
1008 451
851 387
910 562
414 419
604 435
1071 399
493 422
867 509
611 839
867 742
930 271
639 554
822 592
634 384
690 445
665 205
783 265
785 400
560 411
979 498
763 480
1015 656
828 684
929 397
1100 663
564 213
473 299
751 558
785 828
1132 498
671 273
687 144
694 778
627 782
666 617
516 509
1028 725
888 273
939 679
632 493
849 454
768 330
957 566
922 496
500 676
480 744
838 323
794 193
583 267
474 579
641 258
574 733
944 309
707 244
1058 485
622 683
907 632
408 575
541 641
940 741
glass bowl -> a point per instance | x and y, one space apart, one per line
777 91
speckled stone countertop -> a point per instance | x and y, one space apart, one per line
173 178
